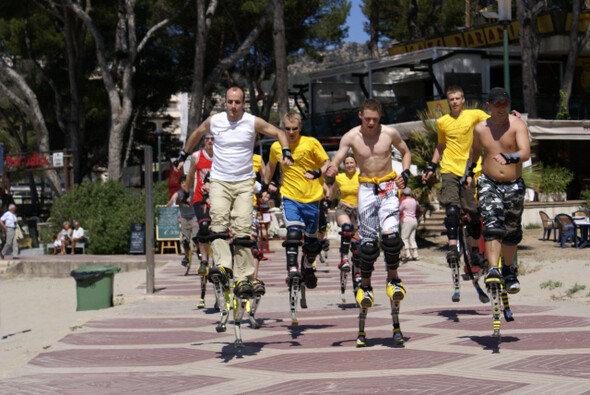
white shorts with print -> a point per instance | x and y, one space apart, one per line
378 209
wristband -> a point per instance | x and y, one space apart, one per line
405 175
430 168
317 173
468 172
511 158
287 153
264 188
181 158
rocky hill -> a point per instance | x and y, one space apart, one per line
347 53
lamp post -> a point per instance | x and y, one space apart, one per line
159 123
505 17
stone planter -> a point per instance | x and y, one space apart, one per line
552 197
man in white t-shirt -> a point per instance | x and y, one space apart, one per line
9 223
77 235
231 188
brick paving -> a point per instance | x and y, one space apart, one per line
164 344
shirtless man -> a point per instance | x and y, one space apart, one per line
378 203
504 139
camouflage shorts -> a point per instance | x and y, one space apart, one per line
501 205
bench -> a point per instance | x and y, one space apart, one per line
79 245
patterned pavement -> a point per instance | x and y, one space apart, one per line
164 344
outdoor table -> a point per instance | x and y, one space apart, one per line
584 225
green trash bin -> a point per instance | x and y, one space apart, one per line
94 286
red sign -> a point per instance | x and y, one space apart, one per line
36 160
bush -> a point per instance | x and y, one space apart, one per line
585 195
106 211
556 179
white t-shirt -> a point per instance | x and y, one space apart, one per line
233 146
77 233
9 219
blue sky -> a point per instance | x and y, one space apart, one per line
355 22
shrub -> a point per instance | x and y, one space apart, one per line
556 179
106 211
585 195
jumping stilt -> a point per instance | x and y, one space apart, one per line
303 300
221 286
343 276
201 304
239 310
361 340
507 312
252 311
398 337
494 285
294 282
456 281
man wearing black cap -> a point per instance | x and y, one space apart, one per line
455 133
504 139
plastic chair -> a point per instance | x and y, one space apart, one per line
568 231
548 226
580 214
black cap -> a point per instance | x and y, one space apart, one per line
498 94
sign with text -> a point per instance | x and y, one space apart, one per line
137 239
168 227
58 159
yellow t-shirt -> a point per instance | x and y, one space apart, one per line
257 166
349 187
457 134
308 154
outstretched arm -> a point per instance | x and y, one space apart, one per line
263 127
345 145
192 142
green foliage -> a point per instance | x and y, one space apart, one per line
556 179
585 195
577 287
532 226
563 109
533 176
106 211
551 284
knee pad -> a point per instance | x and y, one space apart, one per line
474 228
291 243
346 235
391 244
493 234
326 244
452 221
311 247
244 242
204 233
186 245
356 260
513 238
368 254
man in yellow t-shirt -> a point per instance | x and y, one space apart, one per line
455 135
302 190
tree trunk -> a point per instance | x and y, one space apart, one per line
374 29
529 46
203 24
282 77
120 91
576 45
26 101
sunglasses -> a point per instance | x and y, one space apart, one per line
208 138
290 129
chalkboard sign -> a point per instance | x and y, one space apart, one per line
137 240
167 227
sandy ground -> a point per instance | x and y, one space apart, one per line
36 313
